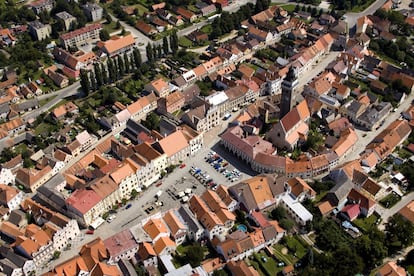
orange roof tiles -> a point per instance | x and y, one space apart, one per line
159 85
124 171
83 200
173 222
325 207
298 186
346 141
117 43
155 227
173 143
408 211
7 193
391 269
163 243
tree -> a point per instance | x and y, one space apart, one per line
140 270
121 66
278 213
371 248
399 233
347 261
152 121
84 81
104 35
174 42
56 255
104 74
159 51
111 70
165 45
195 254
150 53
127 63
118 25
137 58
287 224
98 75
93 80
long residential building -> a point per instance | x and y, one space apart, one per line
80 36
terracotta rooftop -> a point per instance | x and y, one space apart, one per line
117 43
120 243
155 227
83 200
408 211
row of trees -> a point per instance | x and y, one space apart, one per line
108 73
156 52
231 21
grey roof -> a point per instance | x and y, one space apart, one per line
16 216
48 190
7 266
4 108
29 104
189 219
343 185
244 195
269 233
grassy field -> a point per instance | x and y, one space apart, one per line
390 200
289 7
111 27
185 42
366 224
296 246
207 29
267 264
360 8
286 258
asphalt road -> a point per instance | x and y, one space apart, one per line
61 94
351 17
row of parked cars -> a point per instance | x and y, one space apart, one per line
221 166
203 177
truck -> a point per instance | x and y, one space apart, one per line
158 194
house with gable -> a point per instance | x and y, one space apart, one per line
10 197
159 86
121 245
292 128
176 226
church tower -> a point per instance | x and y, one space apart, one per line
288 89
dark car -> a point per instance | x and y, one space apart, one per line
128 206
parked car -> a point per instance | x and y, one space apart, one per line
129 205
182 166
90 232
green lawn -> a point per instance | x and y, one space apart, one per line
403 153
111 27
267 264
286 258
42 128
366 224
289 7
207 29
185 42
390 200
360 8
256 265
296 246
